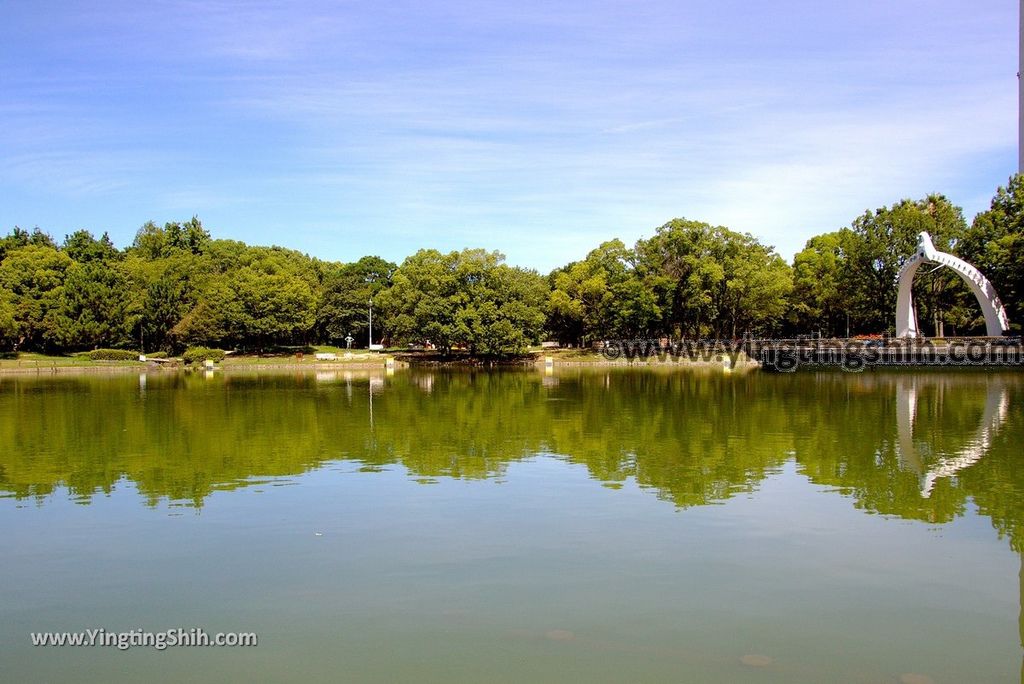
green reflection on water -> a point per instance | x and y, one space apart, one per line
912 445
537 579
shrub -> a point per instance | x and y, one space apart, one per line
200 354
114 355
157 355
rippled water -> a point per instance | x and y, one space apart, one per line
511 526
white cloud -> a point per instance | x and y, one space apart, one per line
538 130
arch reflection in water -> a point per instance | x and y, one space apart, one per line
994 416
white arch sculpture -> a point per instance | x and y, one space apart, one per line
996 322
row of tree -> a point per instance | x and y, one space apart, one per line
176 286
844 280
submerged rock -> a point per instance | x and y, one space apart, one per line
560 635
915 678
755 660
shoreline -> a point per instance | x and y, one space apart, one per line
43 368
742 366
157 368
39 366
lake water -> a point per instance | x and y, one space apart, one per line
591 525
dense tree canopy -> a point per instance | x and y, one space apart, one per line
469 299
995 244
347 292
33 276
820 296
601 296
690 278
848 277
176 286
8 326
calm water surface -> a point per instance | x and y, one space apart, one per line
603 526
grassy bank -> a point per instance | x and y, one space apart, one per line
27 362
344 359
33 362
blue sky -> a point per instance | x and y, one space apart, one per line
539 129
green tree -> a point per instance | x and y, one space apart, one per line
150 242
883 241
41 239
505 311
252 309
191 289
189 236
757 286
163 291
17 238
602 296
713 281
682 261
34 277
820 300
635 311
154 242
274 307
94 308
468 298
8 326
578 303
347 292
995 244
83 248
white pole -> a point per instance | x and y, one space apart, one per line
371 307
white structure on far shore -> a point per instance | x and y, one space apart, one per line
996 322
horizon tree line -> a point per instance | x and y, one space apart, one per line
176 286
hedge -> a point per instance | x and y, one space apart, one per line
114 355
200 354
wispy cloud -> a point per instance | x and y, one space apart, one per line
535 129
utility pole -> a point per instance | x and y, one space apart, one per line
370 346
